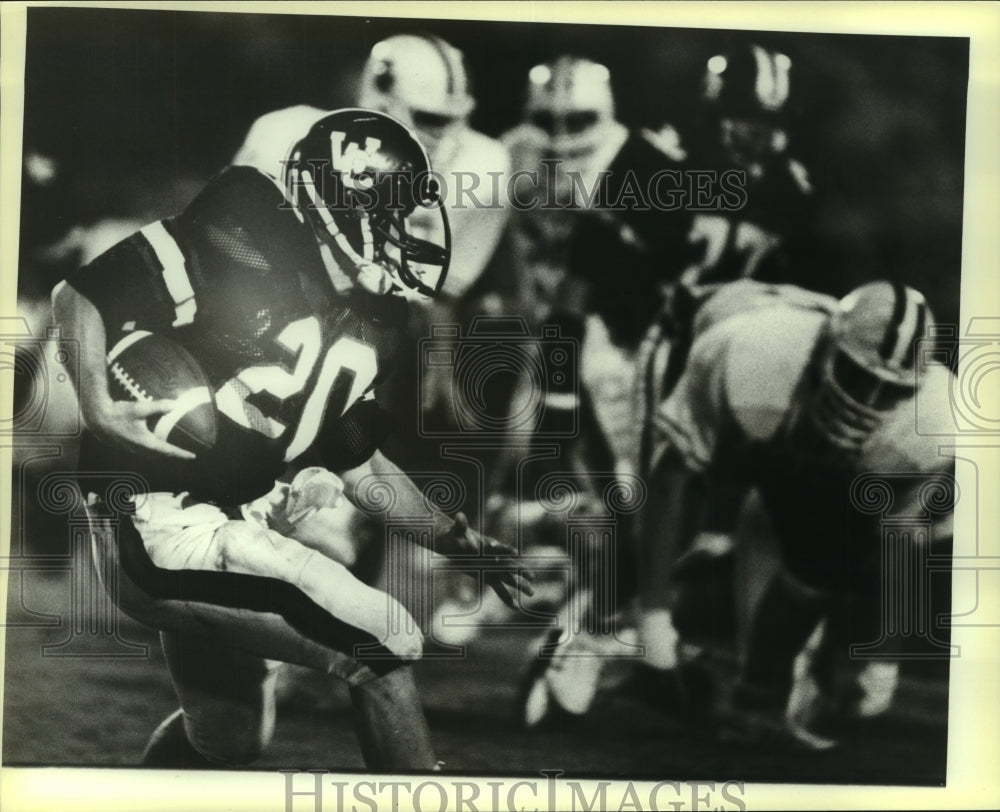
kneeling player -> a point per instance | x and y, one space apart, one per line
795 395
285 293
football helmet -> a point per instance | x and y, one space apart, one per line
420 80
356 177
869 360
747 90
571 101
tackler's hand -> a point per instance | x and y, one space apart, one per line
502 567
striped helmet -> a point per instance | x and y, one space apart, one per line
748 81
870 363
356 177
421 80
571 101
746 92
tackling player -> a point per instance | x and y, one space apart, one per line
796 395
292 295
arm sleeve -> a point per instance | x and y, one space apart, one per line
127 284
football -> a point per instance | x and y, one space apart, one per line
146 366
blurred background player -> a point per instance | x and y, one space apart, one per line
570 125
592 259
298 307
423 81
794 394
747 106
575 161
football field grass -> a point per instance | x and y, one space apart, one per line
92 711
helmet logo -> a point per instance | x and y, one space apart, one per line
354 196
351 161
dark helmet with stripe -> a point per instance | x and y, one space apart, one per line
356 177
749 80
746 91
870 361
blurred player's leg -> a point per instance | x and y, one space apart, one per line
169 747
227 701
833 689
784 619
786 616
391 725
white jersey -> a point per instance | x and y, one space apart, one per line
473 167
753 344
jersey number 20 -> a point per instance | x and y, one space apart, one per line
347 370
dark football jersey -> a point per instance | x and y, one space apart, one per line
760 238
237 278
635 241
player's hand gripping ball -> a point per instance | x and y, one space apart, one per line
144 366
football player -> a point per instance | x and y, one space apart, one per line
292 293
573 162
593 258
795 394
422 81
747 104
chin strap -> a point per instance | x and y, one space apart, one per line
369 274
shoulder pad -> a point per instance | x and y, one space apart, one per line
272 136
480 153
767 355
746 295
911 438
240 188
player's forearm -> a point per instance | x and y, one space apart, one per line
667 525
82 326
407 500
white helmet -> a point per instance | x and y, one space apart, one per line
570 100
869 364
420 80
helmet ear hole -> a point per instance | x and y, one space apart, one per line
384 80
